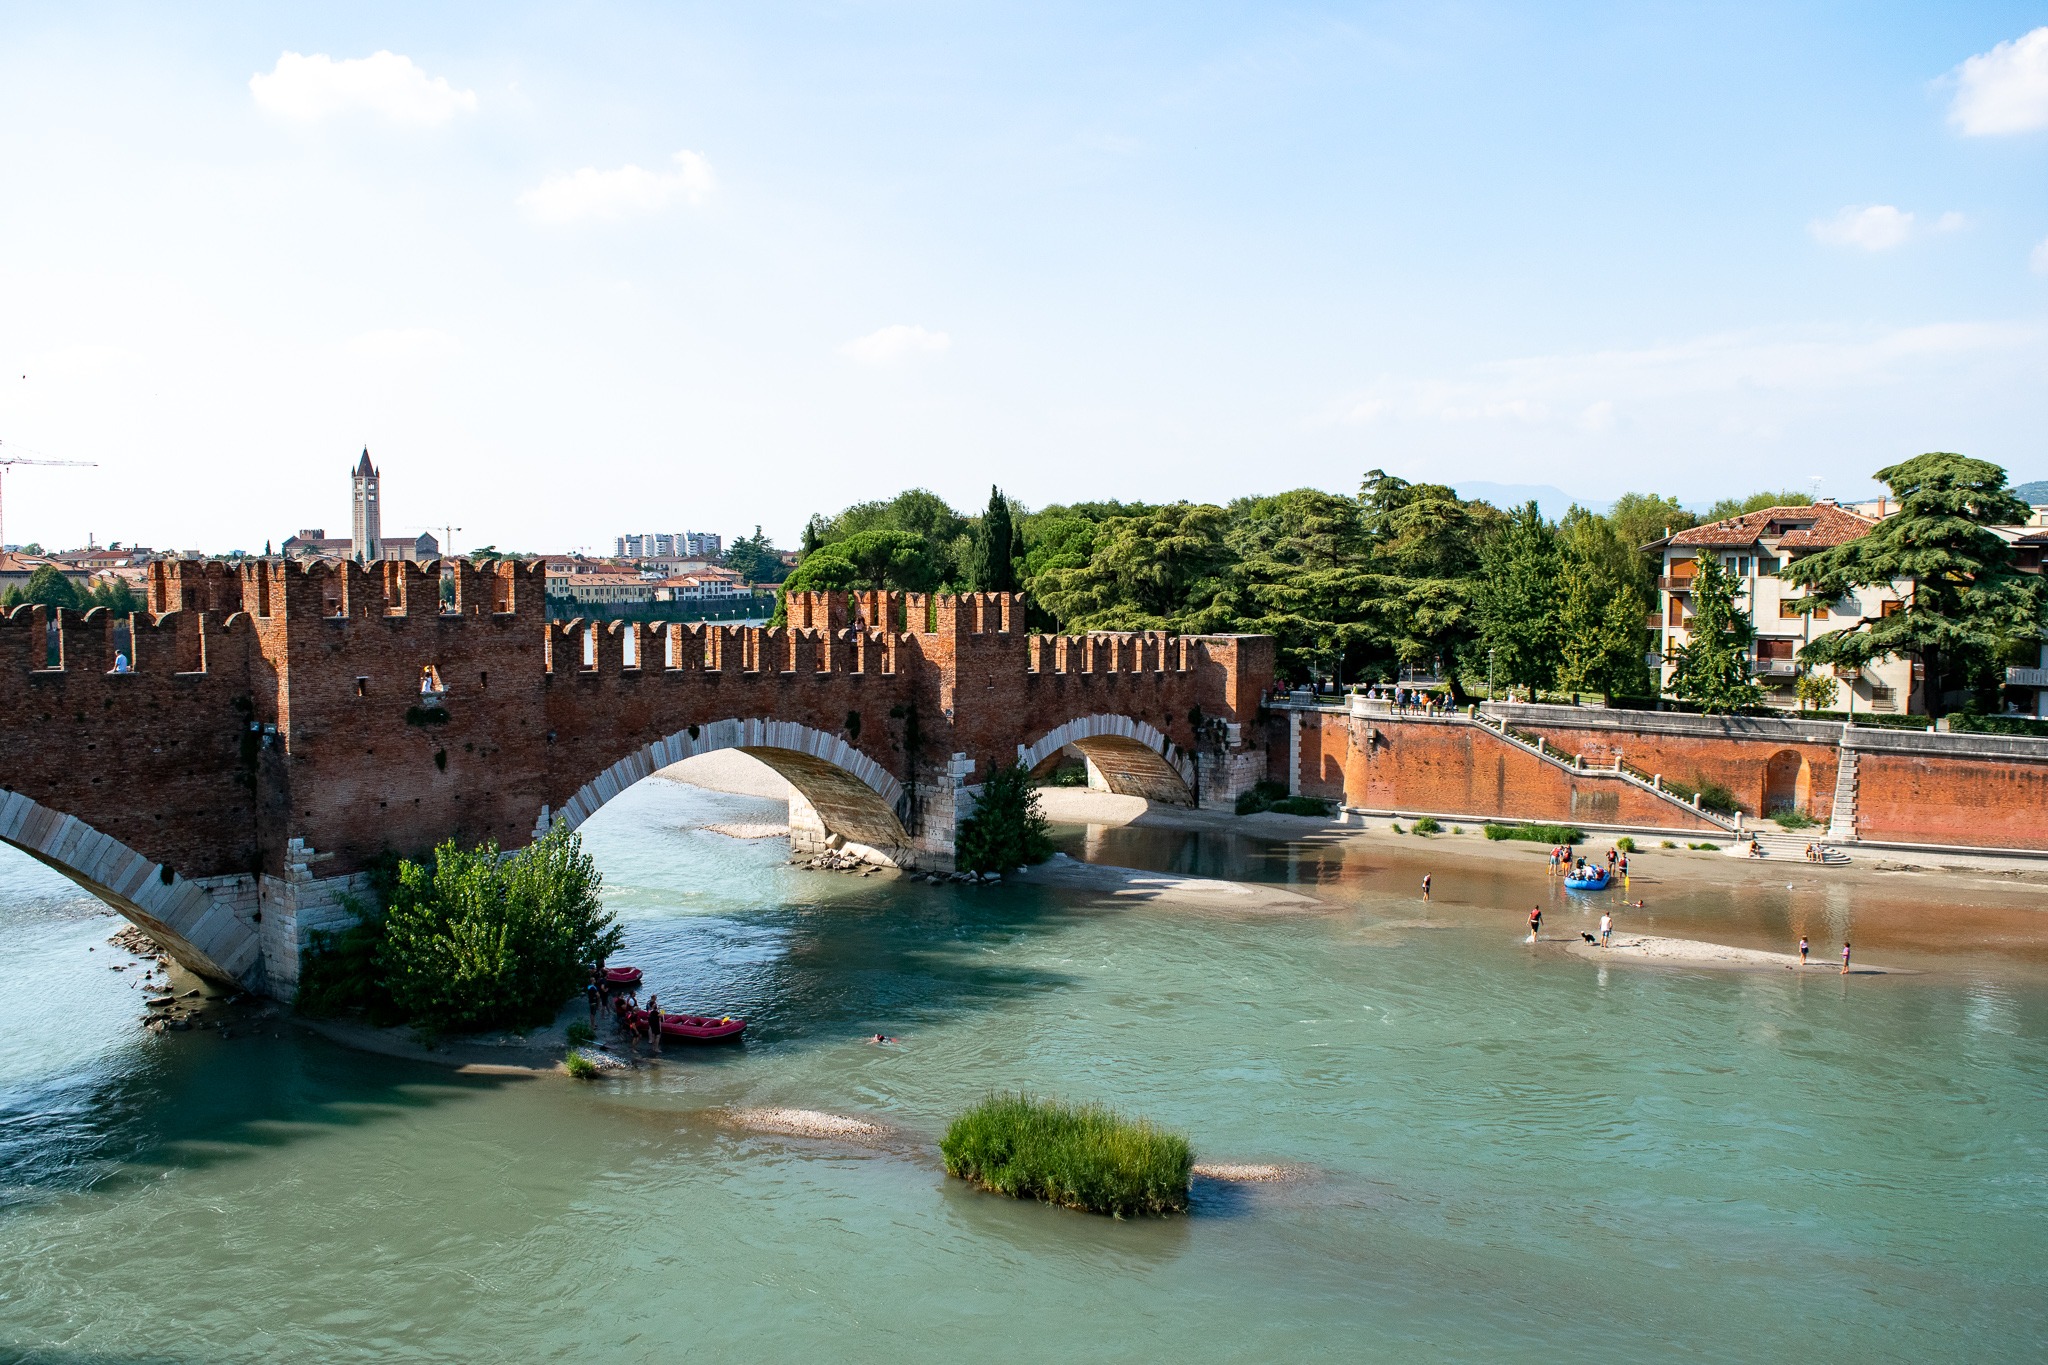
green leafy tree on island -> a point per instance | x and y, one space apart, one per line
1007 830
1712 667
1966 604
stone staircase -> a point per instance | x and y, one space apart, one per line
1842 821
1788 846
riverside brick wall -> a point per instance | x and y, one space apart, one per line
1451 768
1990 801
1951 790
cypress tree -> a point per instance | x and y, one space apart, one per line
994 568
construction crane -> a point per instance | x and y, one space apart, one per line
6 460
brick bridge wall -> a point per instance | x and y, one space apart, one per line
270 741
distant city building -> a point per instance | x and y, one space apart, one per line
366 541
596 582
671 545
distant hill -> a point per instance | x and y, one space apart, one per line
1554 502
2035 492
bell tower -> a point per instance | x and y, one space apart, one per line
367 529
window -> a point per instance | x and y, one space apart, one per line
1765 564
1788 609
1774 649
1890 608
1677 617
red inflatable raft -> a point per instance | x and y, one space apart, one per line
622 976
696 1028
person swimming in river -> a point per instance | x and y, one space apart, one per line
884 1038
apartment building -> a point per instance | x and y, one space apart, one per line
1755 548
671 545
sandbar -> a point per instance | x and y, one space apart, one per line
1646 950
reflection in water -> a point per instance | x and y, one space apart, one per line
1514 1153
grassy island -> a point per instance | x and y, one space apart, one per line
1081 1157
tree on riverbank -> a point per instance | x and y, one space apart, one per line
1967 604
1007 829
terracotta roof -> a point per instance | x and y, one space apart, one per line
1813 528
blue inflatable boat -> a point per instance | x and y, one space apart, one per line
1592 879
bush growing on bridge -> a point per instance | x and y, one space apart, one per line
1007 829
1081 1157
476 940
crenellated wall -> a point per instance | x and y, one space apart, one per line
278 728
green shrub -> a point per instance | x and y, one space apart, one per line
1262 796
1007 829
1080 1157
1705 848
1794 819
1625 844
342 971
482 941
1300 805
1712 794
1667 844
579 1033
580 1066
1071 775
1428 825
1537 834
1398 829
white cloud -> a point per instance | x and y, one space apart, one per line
892 344
1874 227
384 83
2039 258
406 344
2004 90
1950 222
1588 391
629 190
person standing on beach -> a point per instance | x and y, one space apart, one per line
1845 957
1606 927
1425 886
1535 921
1802 950
592 994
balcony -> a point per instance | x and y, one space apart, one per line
2026 677
1670 584
1775 668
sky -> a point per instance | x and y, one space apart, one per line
575 271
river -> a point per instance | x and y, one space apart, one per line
1507 1153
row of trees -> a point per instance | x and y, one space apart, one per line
1410 574
48 586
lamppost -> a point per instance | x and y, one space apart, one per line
1489 674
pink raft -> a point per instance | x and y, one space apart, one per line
696 1028
622 976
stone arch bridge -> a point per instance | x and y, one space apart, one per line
282 727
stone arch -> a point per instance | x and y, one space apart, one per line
1134 758
847 793
185 917
1788 782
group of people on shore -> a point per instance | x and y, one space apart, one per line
629 1020
1561 856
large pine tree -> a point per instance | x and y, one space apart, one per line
1965 603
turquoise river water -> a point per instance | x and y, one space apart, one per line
1508 1152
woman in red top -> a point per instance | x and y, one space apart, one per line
1535 920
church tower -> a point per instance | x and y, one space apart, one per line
367 530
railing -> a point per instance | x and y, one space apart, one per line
2026 677
1670 584
1776 668
1576 763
